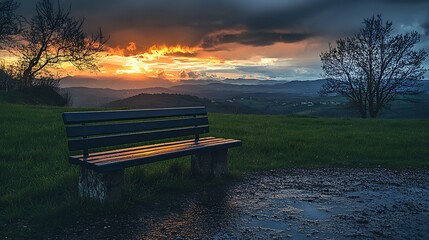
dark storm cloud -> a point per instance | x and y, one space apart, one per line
289 17
405 1
253 38
263 22
425 25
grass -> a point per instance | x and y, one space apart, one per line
36 96
38 192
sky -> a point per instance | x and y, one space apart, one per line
219 39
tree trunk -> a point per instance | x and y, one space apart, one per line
362 110
373 109
28 74
26 79
373 113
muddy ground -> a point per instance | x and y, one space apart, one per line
284 204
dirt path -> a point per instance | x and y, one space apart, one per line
296 204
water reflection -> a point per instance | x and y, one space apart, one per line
201 216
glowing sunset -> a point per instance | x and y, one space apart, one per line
278 40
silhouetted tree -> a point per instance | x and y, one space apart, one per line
373 67
53 37
9 22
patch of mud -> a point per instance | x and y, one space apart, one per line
296 204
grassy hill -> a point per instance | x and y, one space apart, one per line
38 192
163 100
96 97
144 100
37 96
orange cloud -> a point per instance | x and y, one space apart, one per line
156 52
132 46
179 62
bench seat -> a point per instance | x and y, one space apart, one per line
101 172
127 157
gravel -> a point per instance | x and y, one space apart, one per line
325 203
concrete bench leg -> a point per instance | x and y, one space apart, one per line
102 187
210 164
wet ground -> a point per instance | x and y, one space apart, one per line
284 204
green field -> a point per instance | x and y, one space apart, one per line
38 192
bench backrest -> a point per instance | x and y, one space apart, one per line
96 129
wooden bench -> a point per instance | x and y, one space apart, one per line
101 174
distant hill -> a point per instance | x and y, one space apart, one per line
144 100
424 86
163 100
241 81
224 90
113 83
95 97
236 81
296 97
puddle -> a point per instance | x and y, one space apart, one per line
284 204
312 211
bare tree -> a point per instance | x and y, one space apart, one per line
9 22
373 67
53 37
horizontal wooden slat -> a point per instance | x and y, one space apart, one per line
159 151
154 158
125 151
121 164
122 115
96 142
148 150
101 129
130 149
